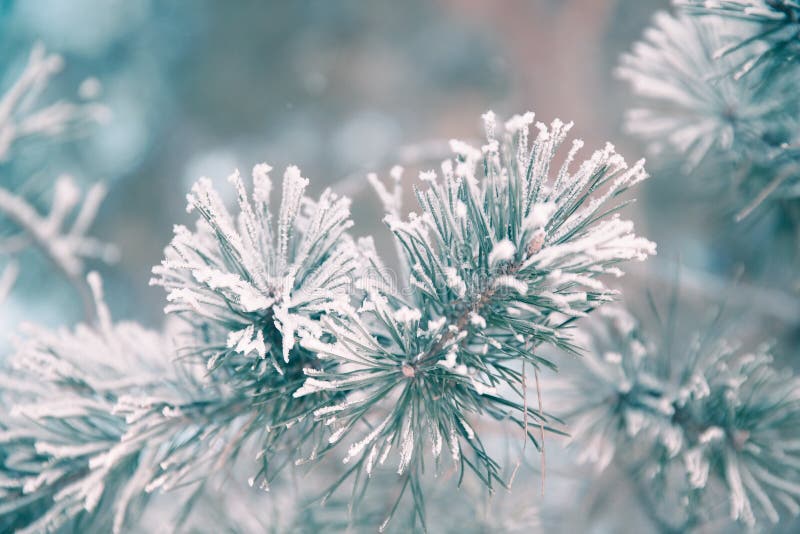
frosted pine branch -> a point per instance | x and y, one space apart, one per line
250 286
690 414
21 119
61 233
774 30
691 101
509 249
688 73
98 419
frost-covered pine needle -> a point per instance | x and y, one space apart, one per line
97 418
688 72
707 429
774 26
61 233
509 248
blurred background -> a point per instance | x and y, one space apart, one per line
338 88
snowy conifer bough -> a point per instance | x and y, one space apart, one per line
23 119
98 418
507 252
249 290
304 341
774 22
692 417
708 93
692 101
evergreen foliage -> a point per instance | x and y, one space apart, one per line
715 86
292 353
505 256
692 415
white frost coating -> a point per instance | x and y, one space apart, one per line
353 398
697 467
396 172
510 282
452 439
740 508
406 446
449 360
477 321
600 452
697 388
357 447
314 385
540 215
249 297
503 250
634 422
262 184
623 321
244 341
490 123
467 428
294 186
461 210
427 176
371 459
337 435
482 389
455 282
491 149
711 435
391 200
518 123
407 315
558 278
672 439
434 325
465 150
287 323
67 245
436 441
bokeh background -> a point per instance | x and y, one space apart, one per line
339 88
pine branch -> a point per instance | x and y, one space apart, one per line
249 290
101 418
498 262
19 121
65 247
688 72
773 44
688 416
